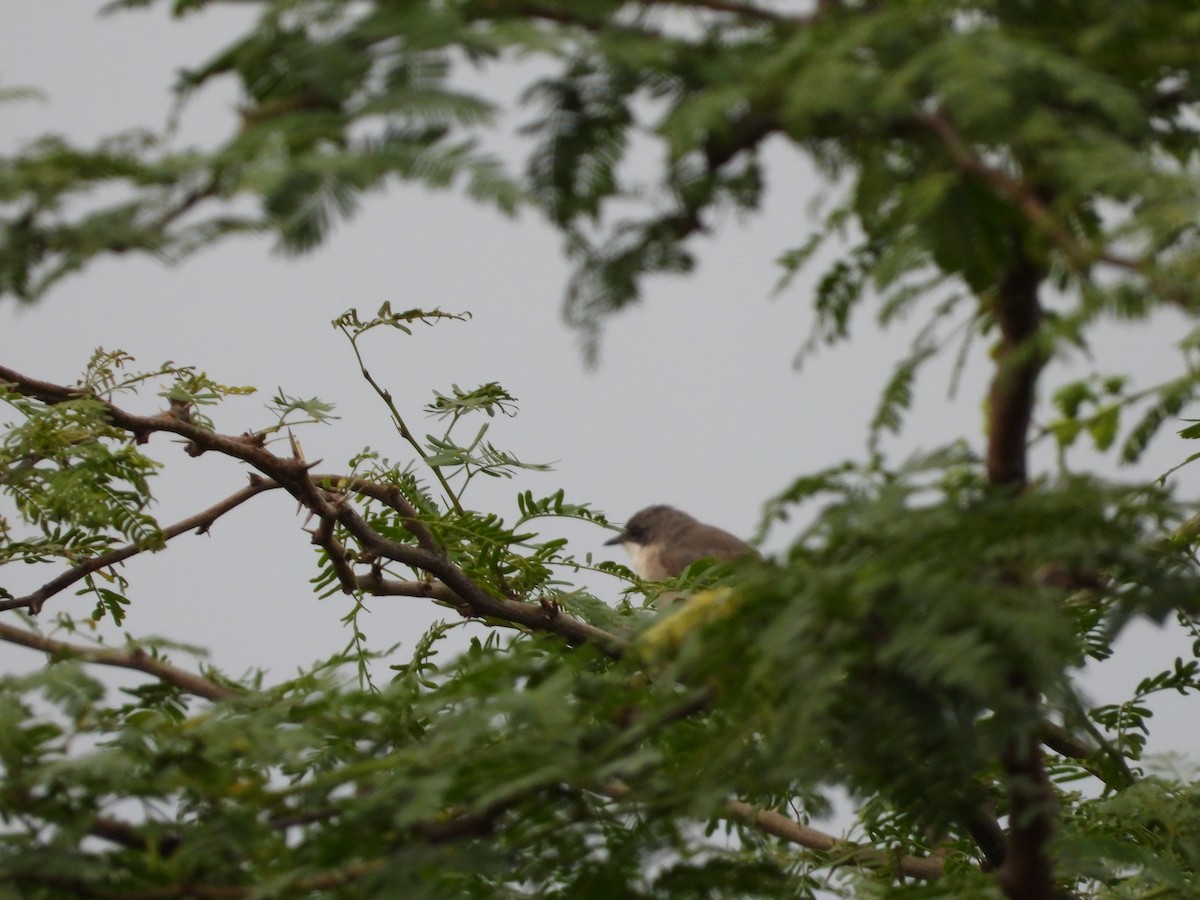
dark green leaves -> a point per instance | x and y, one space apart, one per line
582 137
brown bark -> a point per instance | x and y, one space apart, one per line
1018 313
1026 872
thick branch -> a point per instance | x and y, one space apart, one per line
135 659
848 853
1019 361
1027 873
530 615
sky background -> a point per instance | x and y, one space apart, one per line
695 402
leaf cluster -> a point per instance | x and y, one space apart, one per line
900 643
921 622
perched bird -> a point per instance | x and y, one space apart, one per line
662 542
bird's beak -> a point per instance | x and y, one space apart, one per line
619 539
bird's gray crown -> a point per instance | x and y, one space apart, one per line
654 523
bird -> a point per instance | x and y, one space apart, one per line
663 541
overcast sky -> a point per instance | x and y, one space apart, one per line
696 401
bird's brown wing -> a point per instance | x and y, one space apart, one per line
704 541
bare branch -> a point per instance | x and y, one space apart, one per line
845 852
136 659
735 8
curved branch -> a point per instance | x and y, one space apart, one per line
389 496
479 602
1025 198
373 582
781 826
294 475
1022 195
136 659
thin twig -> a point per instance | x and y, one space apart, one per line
398 420
200 523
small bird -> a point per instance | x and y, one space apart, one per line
662 542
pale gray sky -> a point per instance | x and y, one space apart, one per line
695 402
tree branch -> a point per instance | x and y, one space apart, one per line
1027 872
293 475
780 826
534 616
200 523
735 8
136 659
1022 195
846 852
1025 198
1018 312
389 496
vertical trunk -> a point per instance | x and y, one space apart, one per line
1027 872
1018 313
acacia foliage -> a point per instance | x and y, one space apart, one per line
1009 170
579 750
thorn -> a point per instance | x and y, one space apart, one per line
180 409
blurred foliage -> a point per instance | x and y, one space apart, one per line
878 656
921 624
